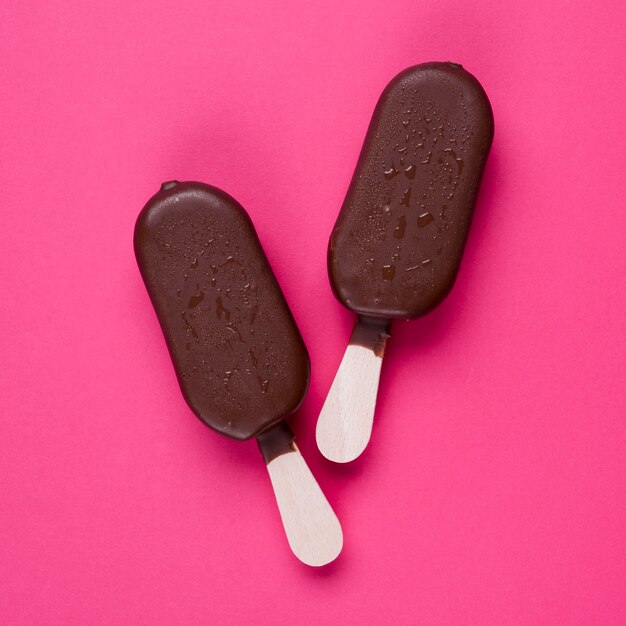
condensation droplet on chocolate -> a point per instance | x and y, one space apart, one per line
389 271
424 219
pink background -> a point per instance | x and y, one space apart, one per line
494 489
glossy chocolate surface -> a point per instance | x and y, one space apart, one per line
239 357
396 246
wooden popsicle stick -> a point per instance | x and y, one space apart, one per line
344 426
312 528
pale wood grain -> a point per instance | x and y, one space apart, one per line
345 423
312 528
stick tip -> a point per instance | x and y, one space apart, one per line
325 551
340 447
312 528
344 426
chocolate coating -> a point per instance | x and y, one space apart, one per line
239 357
275 442
396 246
371 333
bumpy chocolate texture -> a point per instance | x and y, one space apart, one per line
397 244
239 357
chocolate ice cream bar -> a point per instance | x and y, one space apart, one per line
395 250
240 360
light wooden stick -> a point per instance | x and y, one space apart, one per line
344 426
312 528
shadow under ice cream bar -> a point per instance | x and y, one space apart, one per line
395 250
239 357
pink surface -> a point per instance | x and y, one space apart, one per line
494 489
